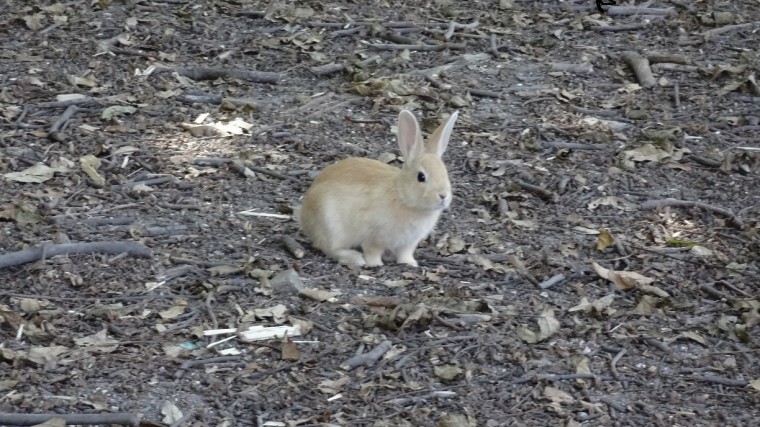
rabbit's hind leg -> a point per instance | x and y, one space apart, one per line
406 256
348 257
373 255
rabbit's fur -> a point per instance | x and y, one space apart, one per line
367 204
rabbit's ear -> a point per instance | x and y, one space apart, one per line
409 135
440 139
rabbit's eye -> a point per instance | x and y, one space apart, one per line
421 177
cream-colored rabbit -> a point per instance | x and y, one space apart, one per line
367 204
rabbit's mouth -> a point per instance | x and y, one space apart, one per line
443 203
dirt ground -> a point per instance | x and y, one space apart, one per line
598 266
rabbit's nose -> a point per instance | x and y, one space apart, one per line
443 196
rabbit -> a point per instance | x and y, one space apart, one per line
364 203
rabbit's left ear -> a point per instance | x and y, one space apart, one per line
439 140
409 135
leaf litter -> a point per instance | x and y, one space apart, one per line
604 224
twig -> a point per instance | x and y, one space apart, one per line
721 380
635 10
453 26
734 288
623 27
326 69
368 358
671 58
273 174
715 293
130 247
658 204
676 96
640 66
418 47
728 28
570 145
582 68
612 404
493 48
484 93
152 181
613 363
548 283
65 117
188 364
123 418
540 192
95 222
213 73
293 246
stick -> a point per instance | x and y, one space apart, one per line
728 28
635 10
130 247
368 358
676 96
65 117
722 381
326 69
540 192
293 246
418 47
123 418
640 66
213 73
657 204
623 27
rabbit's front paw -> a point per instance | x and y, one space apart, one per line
407 257
350 257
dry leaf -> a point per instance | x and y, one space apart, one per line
37 173
694 337
547 324
170 412
172 312
318 294
290 350
447 373
604 239
53 422
622 279
646 153
597 306
90 165
581 367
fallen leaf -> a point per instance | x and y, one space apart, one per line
90 165
604 240
581 367
173 311
547 324
318 294
597 306
456 420
36 174
646 153
98 342
170 412
556 395
447 373
52 422
694 337
622 279
117 110
290 350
